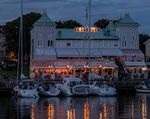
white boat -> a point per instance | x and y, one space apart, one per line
48 91
26 89
94 76
73 86
144 87
105 90
94 89
81 89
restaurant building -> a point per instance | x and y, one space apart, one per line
110 53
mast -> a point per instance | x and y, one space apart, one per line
20 49
89 36
21 37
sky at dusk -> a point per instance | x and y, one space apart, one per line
75 9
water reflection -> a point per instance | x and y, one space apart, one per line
144 101
134 107
66 108
121 107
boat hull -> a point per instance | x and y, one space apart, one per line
81 90
49 93
142 90
27 93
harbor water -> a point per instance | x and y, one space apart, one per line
136 106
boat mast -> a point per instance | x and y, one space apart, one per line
89 36
21 38
20 48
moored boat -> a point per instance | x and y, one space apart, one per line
72 86
144 87
81 90
102 90
48 91
26 89
106 90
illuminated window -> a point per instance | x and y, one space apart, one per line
85 29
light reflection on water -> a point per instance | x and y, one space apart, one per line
121 107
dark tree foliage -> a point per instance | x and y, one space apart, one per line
143 38
102 23
67 24
12 32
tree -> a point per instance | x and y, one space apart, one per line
143 38
67 24
102 23
12 32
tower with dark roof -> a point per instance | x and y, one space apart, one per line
42 37
127 30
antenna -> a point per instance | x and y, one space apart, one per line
86 17
89 13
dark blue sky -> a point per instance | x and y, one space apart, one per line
75 9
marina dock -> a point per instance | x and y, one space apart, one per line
127 86
121 85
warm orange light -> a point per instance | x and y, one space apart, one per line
71 114
86 66
86 29
86 111
51 111
33 116
144 110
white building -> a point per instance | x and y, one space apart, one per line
147 48
65 51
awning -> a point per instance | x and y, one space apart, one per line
133 52
135 64
103 64
67 52
111 52
109 64
93 52
62 64
72 63
46 52
42 63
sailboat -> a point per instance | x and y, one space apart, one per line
25 86
85 89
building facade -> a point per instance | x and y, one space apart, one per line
110 52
